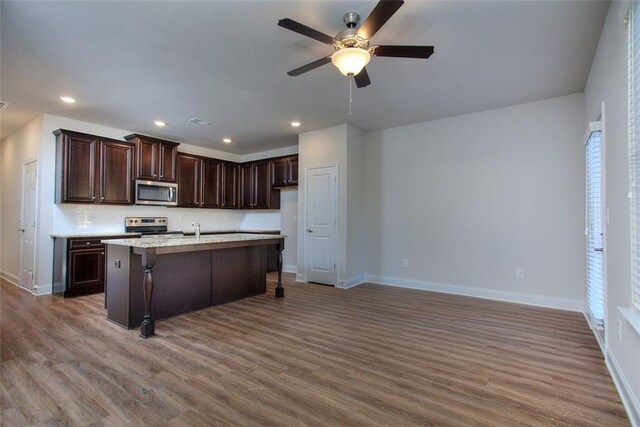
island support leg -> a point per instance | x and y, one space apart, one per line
148 261
279 288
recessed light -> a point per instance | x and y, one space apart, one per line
159 123
295 124
67 99
226 140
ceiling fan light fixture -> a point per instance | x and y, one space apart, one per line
350 60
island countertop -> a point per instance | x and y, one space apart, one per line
188 273
176 241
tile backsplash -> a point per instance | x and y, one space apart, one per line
91 218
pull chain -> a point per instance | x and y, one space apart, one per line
350 94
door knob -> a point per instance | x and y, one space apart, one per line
309 230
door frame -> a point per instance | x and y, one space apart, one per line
37 221
307 169
599 125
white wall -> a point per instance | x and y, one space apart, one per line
342 145
355 206
289 227
607 83
15 150
467 200
323 147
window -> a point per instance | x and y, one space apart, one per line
594 226
634 148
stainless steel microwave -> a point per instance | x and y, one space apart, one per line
156 193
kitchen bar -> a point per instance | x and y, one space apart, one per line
154 278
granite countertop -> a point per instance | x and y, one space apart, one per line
93 234
79 234
168 241
190 232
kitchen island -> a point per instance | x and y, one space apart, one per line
154 278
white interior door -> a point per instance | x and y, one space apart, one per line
595 206
320 225
28 225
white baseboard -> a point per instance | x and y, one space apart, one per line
290 268
45 289
536 300
9 277
350 283
629 401
300 278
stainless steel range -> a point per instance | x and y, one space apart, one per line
148 226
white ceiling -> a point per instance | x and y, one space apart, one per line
129 63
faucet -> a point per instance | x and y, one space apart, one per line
196 225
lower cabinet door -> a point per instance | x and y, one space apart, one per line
86 270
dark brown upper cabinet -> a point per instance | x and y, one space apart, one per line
255 186
230 173
211 183
188 171
92 169
206 183
284 171
155 158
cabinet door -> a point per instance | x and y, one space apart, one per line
188 176
167 162
86 269
230 185
114 173
262 185
146 159
246 186
78 169
293 170
280 172
210 184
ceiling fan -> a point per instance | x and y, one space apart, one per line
352 50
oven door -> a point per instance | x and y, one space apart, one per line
156 193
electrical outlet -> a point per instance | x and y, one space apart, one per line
619 330
520 273
405 263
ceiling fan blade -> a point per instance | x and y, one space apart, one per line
422 52
362 78
310 66
380 14
299 28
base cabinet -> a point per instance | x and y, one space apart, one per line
86 269
79 265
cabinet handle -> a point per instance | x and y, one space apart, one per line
101 253
155 176
88 243
161 176
93 197
102 198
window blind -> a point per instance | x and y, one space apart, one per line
634 147
595 257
